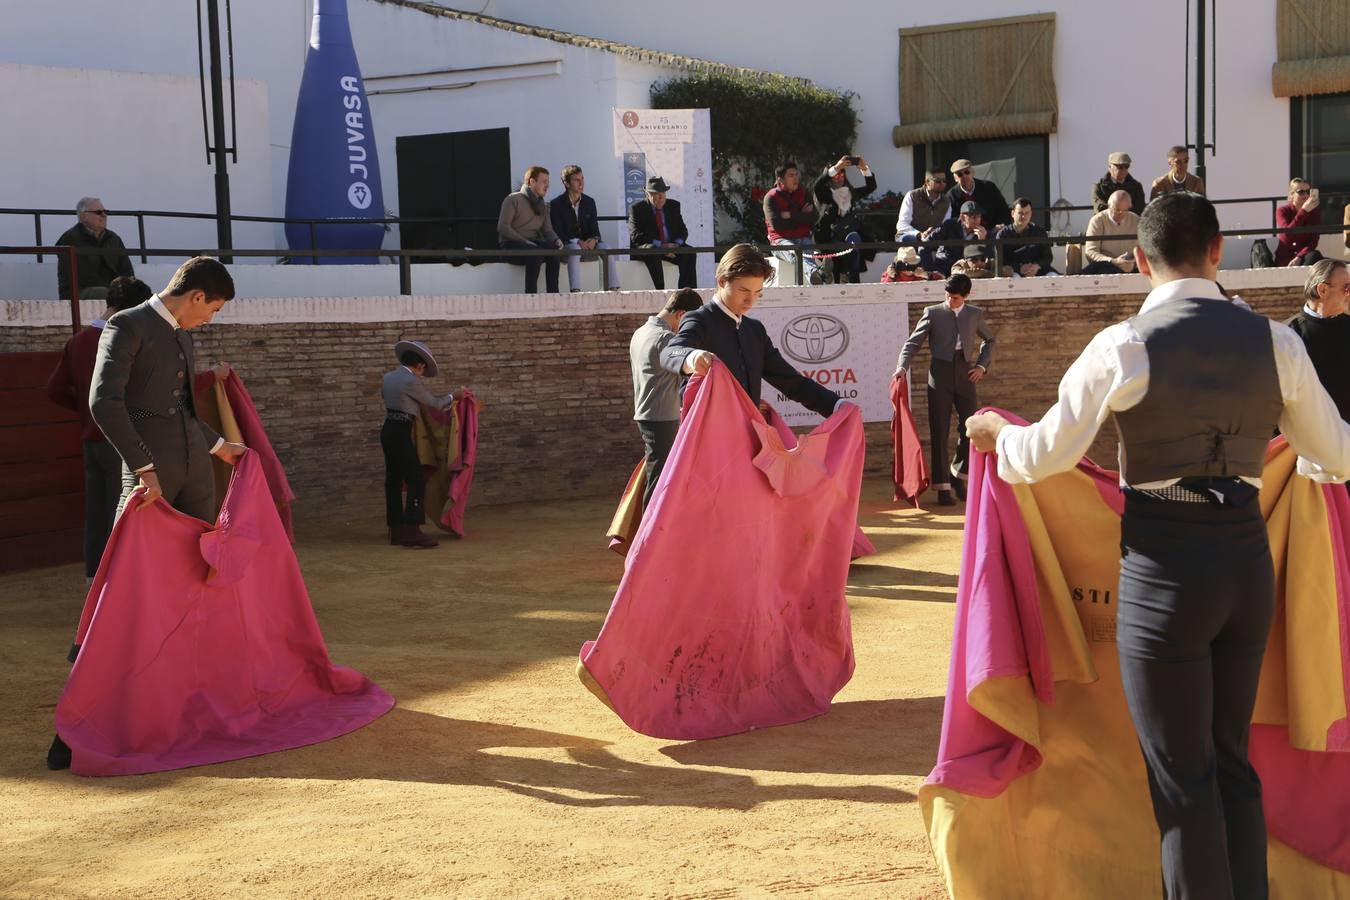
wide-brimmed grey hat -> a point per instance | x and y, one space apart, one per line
975 250
657 185
421 350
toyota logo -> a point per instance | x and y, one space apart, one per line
815 338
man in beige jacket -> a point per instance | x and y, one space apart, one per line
1104 254
525 224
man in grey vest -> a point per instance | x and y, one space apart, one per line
1197 384
656 392
404 394
962 347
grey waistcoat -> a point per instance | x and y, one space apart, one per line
1213 399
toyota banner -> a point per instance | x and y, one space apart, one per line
849 348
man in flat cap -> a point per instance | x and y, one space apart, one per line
968 189
655 223
967 225
404 393
1117 178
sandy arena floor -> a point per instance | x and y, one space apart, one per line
498 775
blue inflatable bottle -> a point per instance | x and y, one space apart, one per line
334 171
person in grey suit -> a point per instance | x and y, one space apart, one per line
141 397
656 392
952 330
141 394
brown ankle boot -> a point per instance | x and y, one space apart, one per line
413 537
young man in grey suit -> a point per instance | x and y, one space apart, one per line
952 329
141 397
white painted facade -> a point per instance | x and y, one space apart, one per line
134 137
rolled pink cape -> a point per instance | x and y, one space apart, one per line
1039 788
461 471
255 438
909 472
731 613
198 644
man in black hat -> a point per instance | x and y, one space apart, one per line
655 223
967 226
404 393
953 329
1196 384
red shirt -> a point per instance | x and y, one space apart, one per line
68 385
1290 245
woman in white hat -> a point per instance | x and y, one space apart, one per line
404 393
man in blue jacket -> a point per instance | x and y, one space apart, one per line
577 225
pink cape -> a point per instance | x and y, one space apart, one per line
199 645
461 472
999 633
637 483
909 472
731 613
255 438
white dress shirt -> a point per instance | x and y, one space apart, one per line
1111 375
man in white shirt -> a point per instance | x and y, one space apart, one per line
1197 384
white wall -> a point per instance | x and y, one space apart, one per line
132 140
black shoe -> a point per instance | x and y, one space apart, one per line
945 498
58 756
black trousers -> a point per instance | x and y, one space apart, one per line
531 264
1197 592
401 466
102 491
657 439
949 385
686 262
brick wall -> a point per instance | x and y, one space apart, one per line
557 394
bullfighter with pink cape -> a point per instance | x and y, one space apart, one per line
731 614
198 644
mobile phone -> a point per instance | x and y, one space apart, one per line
854 160
1316 194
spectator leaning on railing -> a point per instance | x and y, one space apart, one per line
1303 209
524 224
1106 255
967 226
1176 178
923 209
789 215
1022 257
94 270
1118 178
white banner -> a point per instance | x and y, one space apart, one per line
849 348
675 144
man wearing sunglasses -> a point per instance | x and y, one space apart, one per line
1294 248
1117 178
984 193
96 270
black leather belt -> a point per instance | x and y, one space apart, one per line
398 415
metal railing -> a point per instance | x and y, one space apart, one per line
405 258
313 224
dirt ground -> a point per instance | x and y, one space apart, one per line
498 775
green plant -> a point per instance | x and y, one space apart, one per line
759 120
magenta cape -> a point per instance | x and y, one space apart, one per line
909 472
461 471
731 613
199 645
1039 788
255 438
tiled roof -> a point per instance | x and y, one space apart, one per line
628 51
